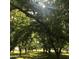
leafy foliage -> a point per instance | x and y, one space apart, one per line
50 26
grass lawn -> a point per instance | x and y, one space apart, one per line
37 55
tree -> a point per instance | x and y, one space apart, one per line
20 25
54 23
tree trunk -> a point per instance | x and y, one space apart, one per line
13 50
43 49
49 50
25 50
57 55
20 50
46 50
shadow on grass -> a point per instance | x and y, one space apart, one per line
50 56
37 55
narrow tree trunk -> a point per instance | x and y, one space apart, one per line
25 50
57 55
20 51
43 49
13 50
49 50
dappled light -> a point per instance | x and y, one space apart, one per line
38 55
19 58
39 29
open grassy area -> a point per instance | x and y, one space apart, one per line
37 55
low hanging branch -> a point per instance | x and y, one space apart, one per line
37 18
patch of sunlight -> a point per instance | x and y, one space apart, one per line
16 48
23 51
16 51
65 54
32 54
19 58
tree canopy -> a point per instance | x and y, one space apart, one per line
46 22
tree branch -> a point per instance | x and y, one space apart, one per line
37 18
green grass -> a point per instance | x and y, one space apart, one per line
37 55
